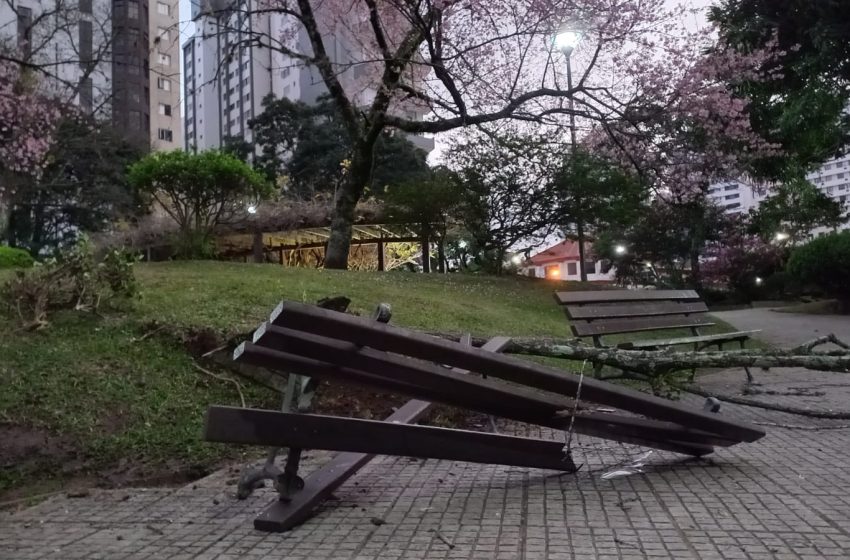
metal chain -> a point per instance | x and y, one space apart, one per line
569 435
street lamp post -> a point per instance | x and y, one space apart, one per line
567 40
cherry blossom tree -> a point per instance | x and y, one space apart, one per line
641 75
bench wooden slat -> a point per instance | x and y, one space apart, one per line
732 336
608 296
647 309
637 324
450 388
226 424
393 339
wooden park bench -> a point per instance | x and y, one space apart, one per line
306 340
601 313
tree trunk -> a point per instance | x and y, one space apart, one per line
696 272
426 249
259 249
441 256
580 236
345 202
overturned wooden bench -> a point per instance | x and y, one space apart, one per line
594 314
310 341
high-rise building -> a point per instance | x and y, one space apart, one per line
98 55
228 72
69 52
832 178
166 124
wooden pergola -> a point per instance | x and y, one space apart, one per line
289 246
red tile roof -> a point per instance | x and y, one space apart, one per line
566 250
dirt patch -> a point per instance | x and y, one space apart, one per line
20 445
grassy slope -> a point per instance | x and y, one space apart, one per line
109 394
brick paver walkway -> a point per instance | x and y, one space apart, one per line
784 497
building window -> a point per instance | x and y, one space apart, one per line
731 187
163 84
165 109
133 9
85 45
590 267
162 8
732 196
165 134
572 269
163 34
85 6
165 59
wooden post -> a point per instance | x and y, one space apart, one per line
258 247
280 255
381 264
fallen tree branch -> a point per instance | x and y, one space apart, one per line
223 378
767 406
809 428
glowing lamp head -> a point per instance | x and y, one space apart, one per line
782 236
567 39
620 250
516 259
759 281
252 209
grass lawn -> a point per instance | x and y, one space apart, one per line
94 395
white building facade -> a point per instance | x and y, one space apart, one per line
832 178
227 75
71 42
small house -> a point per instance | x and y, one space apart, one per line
560 262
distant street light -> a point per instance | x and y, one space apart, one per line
759 281
782 236
620 250
516 259
252 209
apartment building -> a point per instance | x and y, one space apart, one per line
71 44
166 124
832 178
227 75
98 55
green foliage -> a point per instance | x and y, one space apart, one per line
824 263
506 197
795 208
593 192
306 148
802 106
593 195
665 244
82 188
75 279
12 257
198 191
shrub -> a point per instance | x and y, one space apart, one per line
198 191
73 280
824 263
10 257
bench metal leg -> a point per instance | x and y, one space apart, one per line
746 368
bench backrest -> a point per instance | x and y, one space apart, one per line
603 312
